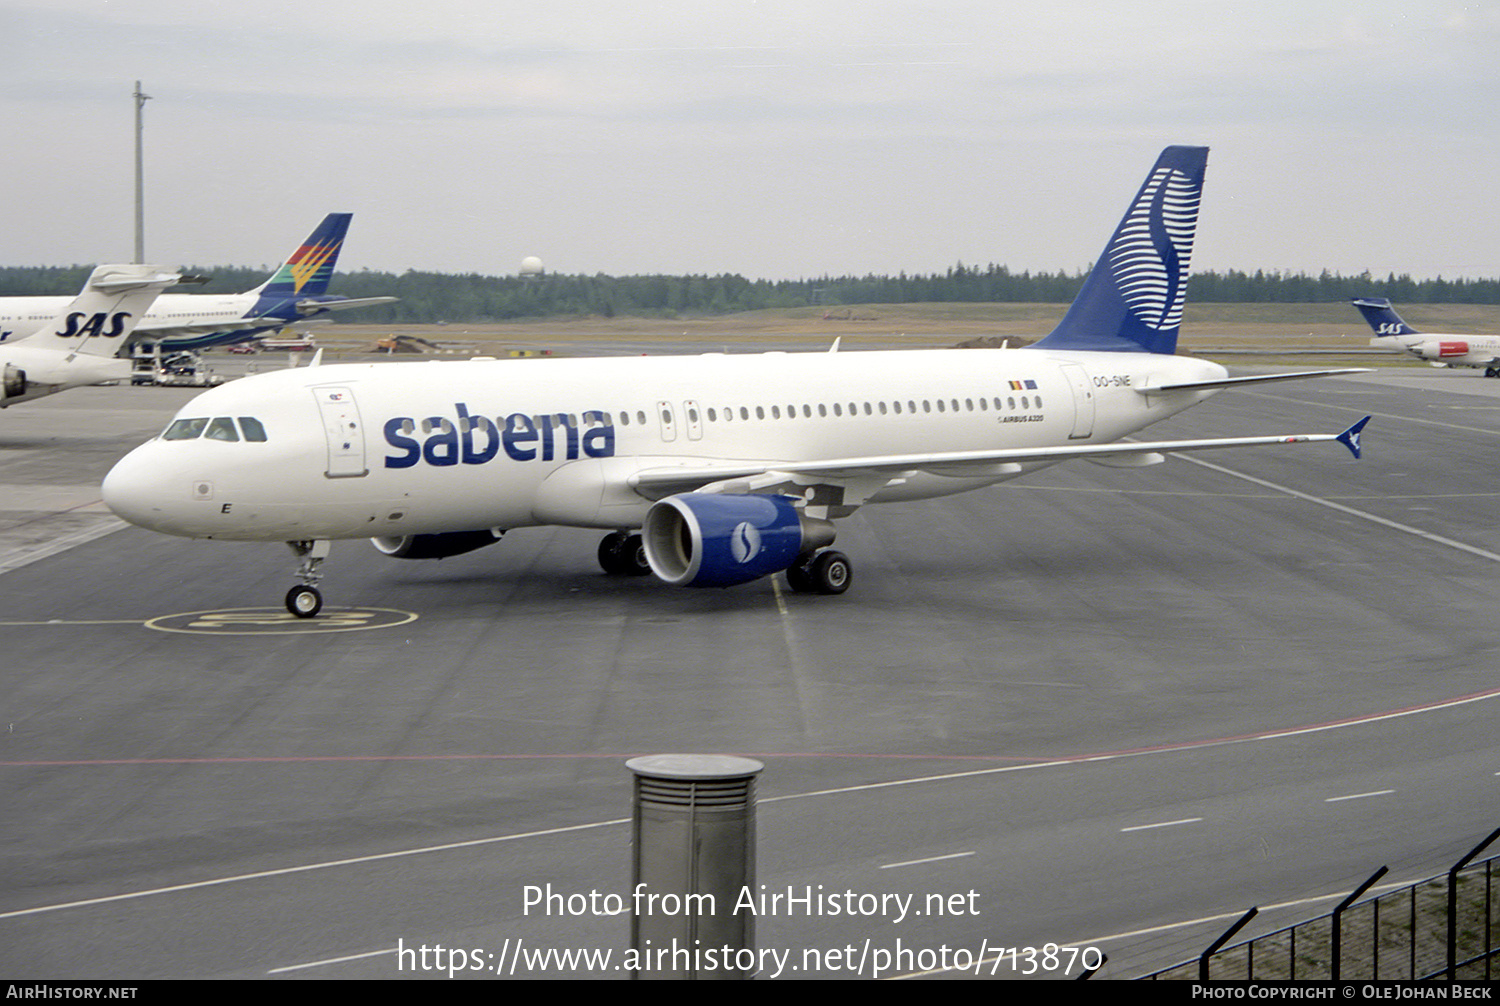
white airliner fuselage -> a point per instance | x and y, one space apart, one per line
1438 349
422 448
732 467
1447 350
20 316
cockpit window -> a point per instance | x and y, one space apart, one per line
222 428
185 429
217 428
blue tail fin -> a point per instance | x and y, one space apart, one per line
1382 318
307 272
1132 300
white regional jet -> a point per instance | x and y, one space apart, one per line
731 467
296 292
77 347
1438 350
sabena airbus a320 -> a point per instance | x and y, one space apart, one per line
707 471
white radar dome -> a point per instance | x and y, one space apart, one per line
531 266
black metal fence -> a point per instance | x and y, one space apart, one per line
1444 927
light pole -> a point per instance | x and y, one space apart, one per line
140 199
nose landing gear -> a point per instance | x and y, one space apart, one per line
306 600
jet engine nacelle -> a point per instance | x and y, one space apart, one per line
435 546
13 384
719 540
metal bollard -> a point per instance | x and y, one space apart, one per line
693 834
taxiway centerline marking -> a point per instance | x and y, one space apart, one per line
96 621
310 867
1351 511
331 960
1162 824
929 859
18 557
864 787
1367 412
1359 796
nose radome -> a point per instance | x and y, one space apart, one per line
133 489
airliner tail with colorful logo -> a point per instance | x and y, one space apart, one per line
296 293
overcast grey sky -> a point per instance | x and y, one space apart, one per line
763 137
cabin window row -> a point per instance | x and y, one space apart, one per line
824 410
745 413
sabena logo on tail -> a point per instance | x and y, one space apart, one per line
1132 300
1149 256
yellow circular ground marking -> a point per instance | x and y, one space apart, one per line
278 621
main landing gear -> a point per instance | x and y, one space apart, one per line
621 553
827 572
305 600
1492 371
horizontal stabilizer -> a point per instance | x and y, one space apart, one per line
121 280
313 306
105 312
1231 382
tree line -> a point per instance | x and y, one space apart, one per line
429 297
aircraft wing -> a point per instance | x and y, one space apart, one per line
870 474
178 329
167 329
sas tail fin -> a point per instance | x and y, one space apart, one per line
1132 300
100 319
1382 317
307 272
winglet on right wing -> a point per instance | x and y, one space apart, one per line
1350 437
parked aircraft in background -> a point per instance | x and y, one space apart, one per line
1438 350
706 470
77 347
296 292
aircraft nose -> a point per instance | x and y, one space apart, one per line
133 490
